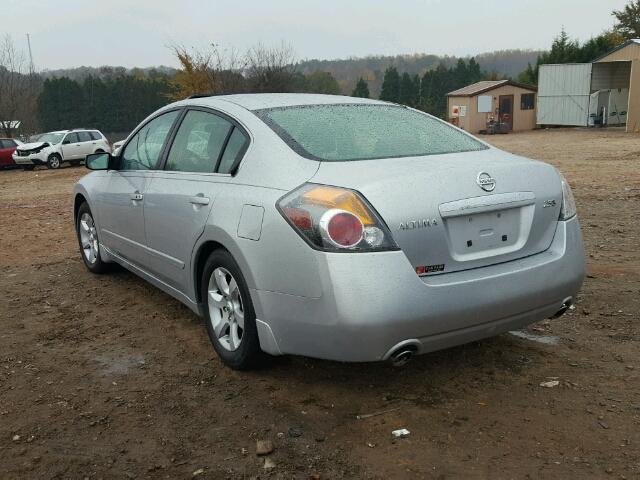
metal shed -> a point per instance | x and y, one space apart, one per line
606 91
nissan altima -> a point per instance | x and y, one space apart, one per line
333 227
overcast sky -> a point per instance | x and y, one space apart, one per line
70 33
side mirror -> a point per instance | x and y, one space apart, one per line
99 161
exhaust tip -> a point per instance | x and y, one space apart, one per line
566 305
401 356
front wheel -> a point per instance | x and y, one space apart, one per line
54 161
229 314
88 240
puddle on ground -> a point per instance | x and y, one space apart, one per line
119 364
546 339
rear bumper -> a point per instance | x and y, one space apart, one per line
371 303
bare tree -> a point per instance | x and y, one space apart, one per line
271 69
19 88
214 70
223 71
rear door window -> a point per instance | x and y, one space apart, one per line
95 136
236 147
198 143
84 137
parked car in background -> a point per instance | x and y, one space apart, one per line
116 147
7 147
333 227
54 148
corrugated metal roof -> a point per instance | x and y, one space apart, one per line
485 86
622 45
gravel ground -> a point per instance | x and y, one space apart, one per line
107 377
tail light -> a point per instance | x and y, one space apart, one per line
568 209
335 219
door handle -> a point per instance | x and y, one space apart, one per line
199 199
136 197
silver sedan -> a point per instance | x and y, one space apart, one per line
332 227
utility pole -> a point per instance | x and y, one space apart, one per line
31 69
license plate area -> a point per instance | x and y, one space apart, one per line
486 234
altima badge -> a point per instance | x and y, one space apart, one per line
486 182
413 224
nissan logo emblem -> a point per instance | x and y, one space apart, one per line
486 182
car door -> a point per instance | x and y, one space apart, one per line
181 196
121 201
86 144
71 147
7 147
97 142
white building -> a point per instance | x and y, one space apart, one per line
606 91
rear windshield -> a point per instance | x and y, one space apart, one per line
337 133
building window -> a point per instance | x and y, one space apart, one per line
527 101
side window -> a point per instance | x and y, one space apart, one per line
143 150
84 137
232 154
527 101
95 136
198 143
5 144
71 138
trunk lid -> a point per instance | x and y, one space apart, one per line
458 211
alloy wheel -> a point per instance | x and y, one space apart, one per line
88 238
226 312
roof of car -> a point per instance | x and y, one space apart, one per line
257 101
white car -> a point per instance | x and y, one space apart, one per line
53 148
116 147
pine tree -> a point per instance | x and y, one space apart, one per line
390 85
362 89
529 75
407 94
416 90
628 20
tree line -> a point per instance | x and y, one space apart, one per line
428 91
113 105
567 50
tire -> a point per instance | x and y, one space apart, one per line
54 161
239 350
88 240
28 168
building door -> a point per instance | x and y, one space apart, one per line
505 111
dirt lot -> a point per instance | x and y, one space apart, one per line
107 377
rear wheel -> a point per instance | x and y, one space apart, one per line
229 315
54 161
88 240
